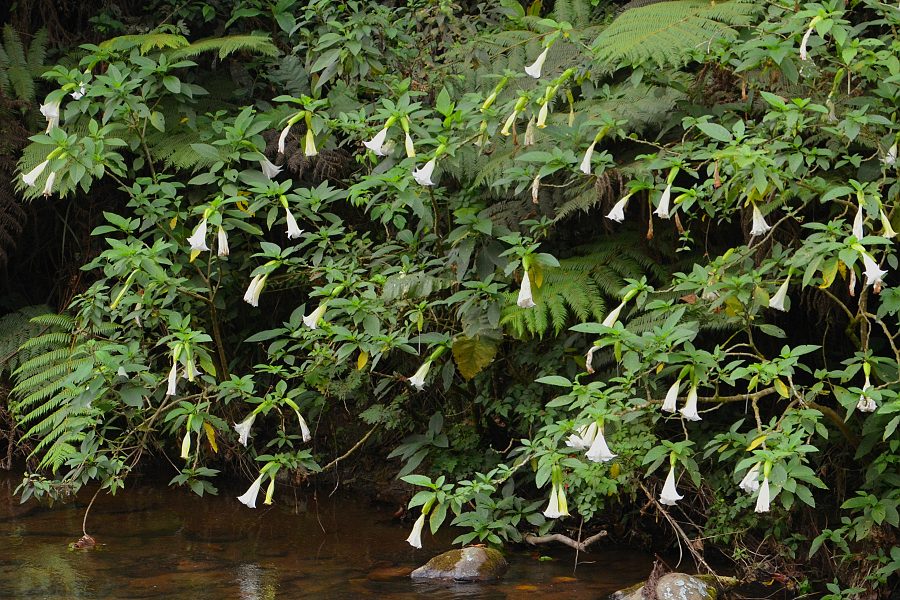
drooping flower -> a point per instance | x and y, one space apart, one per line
858 232
423 175
759 222
79 93
248 498
269 170
662 211
529 133
525 299
585 166
186 445
888 232
670 403
558 506
270 491
293 230
410 147
750 482
599 450
762 500
689 410
507 125
543 113
534 69
223 242
48 185
589 360
777 301
309 146
805 41
583 438
51 113
376 144
866 404
536 189
173 379
418 378
890 157
304 428
874 273
415 537
617 213
312 319
669 495
251 296
282 138
613 315
198 238
243 429
31 177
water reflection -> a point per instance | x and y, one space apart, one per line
161 543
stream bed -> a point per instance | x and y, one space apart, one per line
161 542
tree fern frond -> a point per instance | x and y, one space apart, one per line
154 40
255 43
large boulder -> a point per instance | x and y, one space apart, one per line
466 564
679 586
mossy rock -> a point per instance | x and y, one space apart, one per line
680 586
466 564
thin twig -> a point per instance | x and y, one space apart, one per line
534 540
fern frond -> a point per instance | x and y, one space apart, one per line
255 44
145 41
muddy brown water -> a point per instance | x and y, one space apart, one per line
158 542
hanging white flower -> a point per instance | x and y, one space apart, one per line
617 213
669 495
415 537
689 410
583 438
543 113
534 69
874 274
282 138
222 237
251 296
198 238
589 360
31 177
173 379
662 211
777 301
51 113
536 189
762 500
312 319
304 428
243 429
858 232
48 185
309 147
529 133
557 506
293 230
585 166
79 93
750 482
525 300
270 491
890 157
888 232
418 379
248 498
423 175
671 401
410 147
599 451
866 404
376 144
759 222
269 169
186 445
507 125
613 316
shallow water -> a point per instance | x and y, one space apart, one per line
157 542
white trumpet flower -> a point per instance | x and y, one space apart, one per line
282 138
585 166
534 69
309 146
415 537
510 120
866 404
890 157
599 450
858 232
269 170
198 238
543 113
51 113
662 211
804 42
777 301
669 495
671 401
525 299
613 316
418 379
224 250
31 177
293 230
689 410
243 429
423 175
762 500
79 93
759 222
558 506
617 213
584 438
312 319
410 147
48 185
248 498
874 274
304 428
376 144
251 296
173 379
186 445
888 232
750 482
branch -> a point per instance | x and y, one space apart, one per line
355 447
534 540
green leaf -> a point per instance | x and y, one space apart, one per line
555 380
715 131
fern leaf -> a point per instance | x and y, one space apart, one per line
256 44
145 41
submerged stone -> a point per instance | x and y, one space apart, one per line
680 586
466 564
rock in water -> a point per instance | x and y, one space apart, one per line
679 586
467 564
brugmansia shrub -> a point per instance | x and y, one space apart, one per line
641 254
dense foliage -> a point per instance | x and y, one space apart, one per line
636 259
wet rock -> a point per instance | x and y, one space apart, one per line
679 586
467 564
635 592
